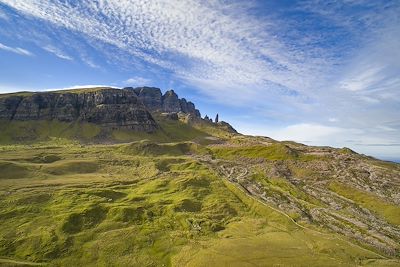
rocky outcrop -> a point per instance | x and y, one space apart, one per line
208 119
188 107
154 101
150 96
171 102
226 126
108 107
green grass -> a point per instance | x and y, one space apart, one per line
271 152
71 167
388 211
23 93
99 198
12 170
34 131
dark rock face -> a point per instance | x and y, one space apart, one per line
150 96
171 102
108 107
154 101
188 107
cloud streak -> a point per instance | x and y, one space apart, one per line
57 52
16 50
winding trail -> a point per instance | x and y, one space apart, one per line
23 263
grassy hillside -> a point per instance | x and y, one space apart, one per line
190 194
12 132
153 204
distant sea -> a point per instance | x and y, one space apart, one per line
397 160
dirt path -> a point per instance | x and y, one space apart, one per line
23 263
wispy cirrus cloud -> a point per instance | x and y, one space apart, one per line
57 52
16 50
214 44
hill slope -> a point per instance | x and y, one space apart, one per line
190 193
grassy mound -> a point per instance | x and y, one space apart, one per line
11 170
86 219
45 159
146 148
108 194
188 205
71 167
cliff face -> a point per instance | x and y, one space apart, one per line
154 101
113 108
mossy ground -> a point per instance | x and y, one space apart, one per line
146 204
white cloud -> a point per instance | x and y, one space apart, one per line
3 15
304 132
364 78
57 52
137 81
79 87
16 50
5 88
8 88
89 61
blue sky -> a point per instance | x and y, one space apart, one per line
317 72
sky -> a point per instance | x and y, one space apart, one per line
320 72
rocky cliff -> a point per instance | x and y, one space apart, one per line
153 99
109 107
